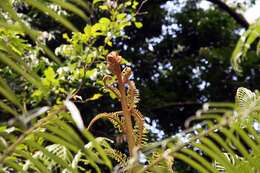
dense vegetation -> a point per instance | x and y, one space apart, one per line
60 83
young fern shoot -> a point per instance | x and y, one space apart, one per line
128 98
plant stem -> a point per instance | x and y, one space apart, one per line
127 115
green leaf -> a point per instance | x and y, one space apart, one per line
42 7
98 148
84 4
104 20
94 97
97 1
91 74
21 71
191 162
8 93
71 7
14 165
57 140
103 7
138 24
36 162
120 16
6 108
52 156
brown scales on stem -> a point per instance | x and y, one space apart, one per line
122 119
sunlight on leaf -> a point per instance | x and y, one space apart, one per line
75 114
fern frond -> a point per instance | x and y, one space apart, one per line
132 95
118 156
114 90
53 157
114 118
63 142
218 141
245 97
231 158
165 165
140 123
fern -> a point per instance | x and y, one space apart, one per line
118 156
66 144
223 138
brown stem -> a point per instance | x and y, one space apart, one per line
127 115
113 64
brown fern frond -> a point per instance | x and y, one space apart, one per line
113 62
118 156
128 98
140 123
113 117
106 80
126 73
167 163
132 95
118 121
144 136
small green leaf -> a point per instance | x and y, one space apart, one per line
135 4
104 20
49 73
94 97
121 16
91 74
103 7
2 128
138 24
109 43
97 1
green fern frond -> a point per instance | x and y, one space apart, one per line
64 144
216 136
52 151
245 97
233 159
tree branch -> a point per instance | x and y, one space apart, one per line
239 18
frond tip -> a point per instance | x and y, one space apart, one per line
244 97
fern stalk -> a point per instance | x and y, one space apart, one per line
113 60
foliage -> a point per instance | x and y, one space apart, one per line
223 137
247 40
43 139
